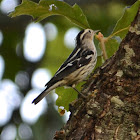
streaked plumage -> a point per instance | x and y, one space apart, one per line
77 67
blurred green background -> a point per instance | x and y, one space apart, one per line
30 53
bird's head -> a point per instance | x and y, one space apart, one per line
86 34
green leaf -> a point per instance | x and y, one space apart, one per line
111 47
44 9
124 22
65 97
121 28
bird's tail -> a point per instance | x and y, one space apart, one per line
42 95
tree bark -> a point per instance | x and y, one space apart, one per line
112 110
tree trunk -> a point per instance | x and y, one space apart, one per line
112 110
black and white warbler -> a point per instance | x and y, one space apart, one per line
77 67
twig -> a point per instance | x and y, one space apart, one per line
102 40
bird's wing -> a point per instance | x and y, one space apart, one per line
74 62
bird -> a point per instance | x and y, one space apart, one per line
77 66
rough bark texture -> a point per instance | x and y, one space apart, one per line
112 110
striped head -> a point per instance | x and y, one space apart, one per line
85 34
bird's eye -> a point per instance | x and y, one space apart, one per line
89 31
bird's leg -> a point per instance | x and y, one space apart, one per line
79 92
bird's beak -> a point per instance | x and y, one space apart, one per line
96 31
